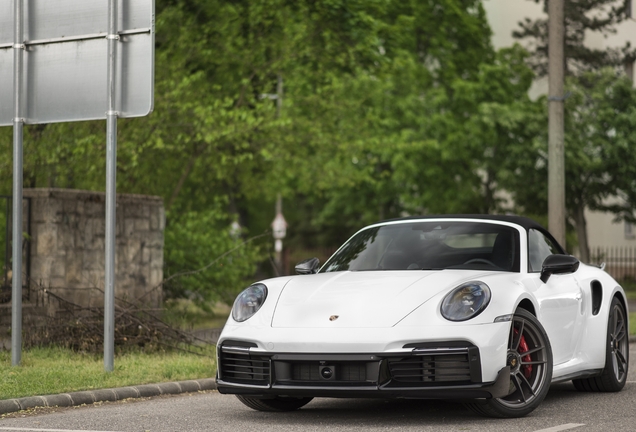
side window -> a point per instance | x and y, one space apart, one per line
539 247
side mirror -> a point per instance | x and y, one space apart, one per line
308 266
558 264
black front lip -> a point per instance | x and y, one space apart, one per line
499 388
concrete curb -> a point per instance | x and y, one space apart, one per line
102 395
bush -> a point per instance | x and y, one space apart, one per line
204 260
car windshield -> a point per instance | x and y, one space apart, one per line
429 245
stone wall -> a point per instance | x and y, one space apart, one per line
67 246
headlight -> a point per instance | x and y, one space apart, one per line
249 302
466 301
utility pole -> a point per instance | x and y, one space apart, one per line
556 148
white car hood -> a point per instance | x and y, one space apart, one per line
373 299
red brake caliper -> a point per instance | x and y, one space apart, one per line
523 347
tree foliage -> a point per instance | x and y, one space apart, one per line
589 140
599 170
211 263
386 108
581 17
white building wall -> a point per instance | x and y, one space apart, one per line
504 17
603 232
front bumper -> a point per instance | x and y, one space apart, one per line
423 372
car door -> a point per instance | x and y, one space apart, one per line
559 298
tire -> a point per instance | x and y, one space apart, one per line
277 404
614 375
530 360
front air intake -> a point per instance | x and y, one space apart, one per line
431 369
238 365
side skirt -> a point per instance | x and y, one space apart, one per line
578 375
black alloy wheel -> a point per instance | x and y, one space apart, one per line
530 360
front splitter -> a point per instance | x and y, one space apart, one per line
499 388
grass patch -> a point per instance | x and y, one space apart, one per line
630 291
630 288
57 370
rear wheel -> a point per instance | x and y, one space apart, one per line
614 375
530 360
276 404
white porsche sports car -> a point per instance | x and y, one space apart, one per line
487 309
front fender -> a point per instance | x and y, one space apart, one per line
508 291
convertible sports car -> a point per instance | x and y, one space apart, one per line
486 309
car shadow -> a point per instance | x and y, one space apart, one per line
423 414
376 414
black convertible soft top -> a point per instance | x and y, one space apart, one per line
523 221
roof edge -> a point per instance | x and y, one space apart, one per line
523 221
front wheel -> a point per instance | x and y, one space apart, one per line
614 375
530 360
275 404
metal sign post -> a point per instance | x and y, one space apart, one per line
111 195
65 54
16 280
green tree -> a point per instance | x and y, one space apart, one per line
600 115
359 127
205 260
584 184
388 107
478 126
580 18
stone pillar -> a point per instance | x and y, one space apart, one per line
67 245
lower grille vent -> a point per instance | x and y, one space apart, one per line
244 367
431 368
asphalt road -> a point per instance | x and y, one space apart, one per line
563 409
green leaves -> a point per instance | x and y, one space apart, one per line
581 18
599 156
354 110
205 259
600 117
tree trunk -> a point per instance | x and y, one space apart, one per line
581 233
556 150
